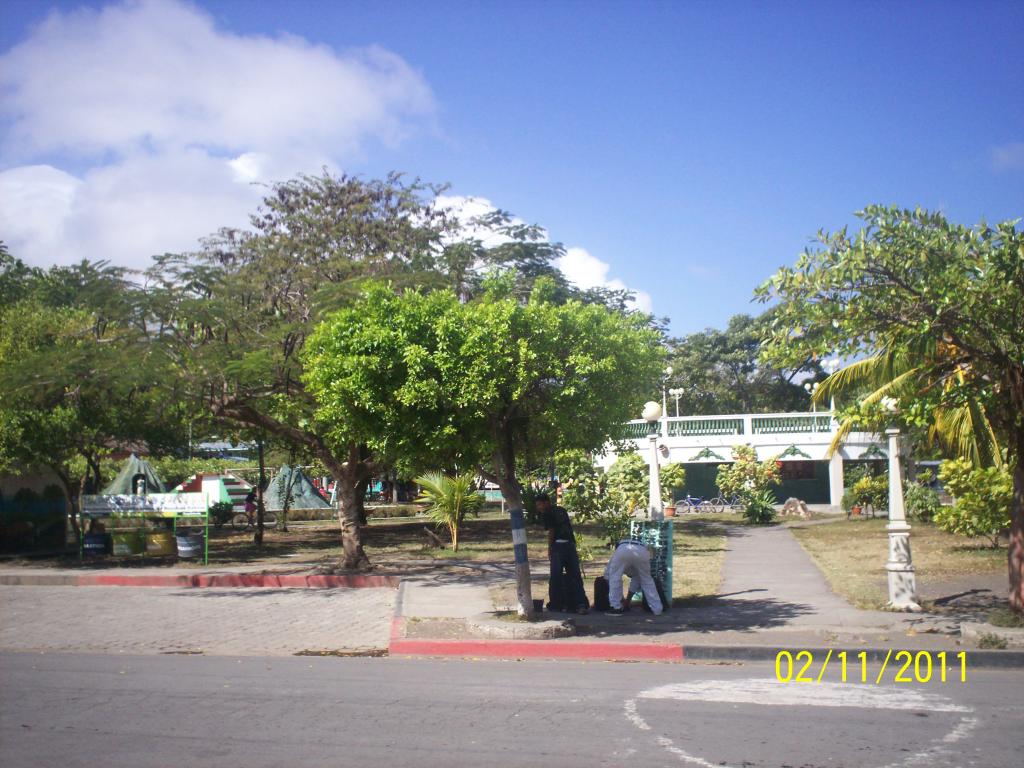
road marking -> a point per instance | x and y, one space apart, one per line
772 693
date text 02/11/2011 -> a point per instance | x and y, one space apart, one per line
910 667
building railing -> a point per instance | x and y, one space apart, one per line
745 424
700 427
775 425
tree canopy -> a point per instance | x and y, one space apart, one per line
77 375
493 383
946 297
721 372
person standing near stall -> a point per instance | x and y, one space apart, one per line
565 582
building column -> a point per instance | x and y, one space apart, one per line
835 480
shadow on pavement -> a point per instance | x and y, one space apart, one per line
714 614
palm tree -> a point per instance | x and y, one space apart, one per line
450 500
960 428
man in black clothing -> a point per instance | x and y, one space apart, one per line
565 592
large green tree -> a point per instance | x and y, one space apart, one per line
494 384
236 315
948 297
77 375
721 372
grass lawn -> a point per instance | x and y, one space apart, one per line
852 555
698 546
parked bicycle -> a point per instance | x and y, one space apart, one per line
734 503
689 504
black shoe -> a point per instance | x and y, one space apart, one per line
614 612
583 610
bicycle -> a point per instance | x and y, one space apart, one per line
689 504
243 521
734 503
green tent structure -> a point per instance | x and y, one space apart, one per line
292 481
136 478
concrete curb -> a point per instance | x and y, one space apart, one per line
202 580
1012 636
529 649
496 629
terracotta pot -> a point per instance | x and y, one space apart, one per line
855 509
670 510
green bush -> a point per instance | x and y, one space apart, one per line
849 500
759 508
872 492
747 476
922 503
221 512
982 498
673 479
628 482
385 511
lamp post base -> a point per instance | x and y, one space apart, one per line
900 570
902 590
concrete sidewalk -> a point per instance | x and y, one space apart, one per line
772 597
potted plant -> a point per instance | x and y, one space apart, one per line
849 503
673 478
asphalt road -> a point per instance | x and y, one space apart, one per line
81 710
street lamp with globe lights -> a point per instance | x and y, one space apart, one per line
677 392
810 389
652 414
899 567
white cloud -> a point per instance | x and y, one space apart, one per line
1008 157
588 271
578 265
168 120
467 209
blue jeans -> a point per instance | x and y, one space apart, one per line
566 592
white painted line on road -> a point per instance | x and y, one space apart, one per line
773 693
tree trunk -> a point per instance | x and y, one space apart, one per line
360 502
258 537
1015 550
353 556
511 490
73 498
347 474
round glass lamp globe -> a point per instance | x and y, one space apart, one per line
652 411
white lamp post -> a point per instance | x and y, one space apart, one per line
810 389
900 566
664 404
677 392
651 414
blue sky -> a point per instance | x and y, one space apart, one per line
685 150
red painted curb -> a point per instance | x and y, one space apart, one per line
532 649
253 580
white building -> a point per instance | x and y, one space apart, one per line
799 440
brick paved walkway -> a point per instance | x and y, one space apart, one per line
276 622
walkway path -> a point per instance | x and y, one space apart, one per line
243 622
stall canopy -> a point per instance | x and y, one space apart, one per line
136 478
292 481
